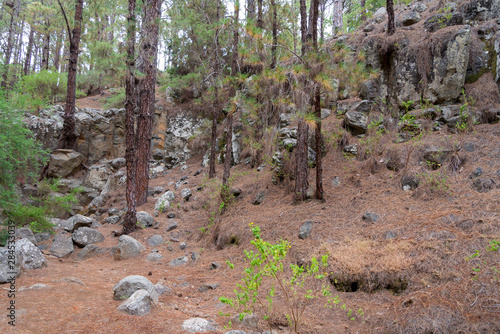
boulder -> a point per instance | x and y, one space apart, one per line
85 236
163 203
145 219
97 176
178 130
259 198
154 257
24 232
356 122
31 256
62 245
139 303
411 18
439 21
127 248
186 194
156 240
64 162
196 325
75 222
180 261
8 272
91 250
130 284
305 229
114 181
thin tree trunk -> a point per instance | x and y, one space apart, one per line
35 58
10 43
234 65
69 135
275 33
319 144
45 50
303 26
29 51
149 50
338 11
130 220
225 192
260 21
251 9
301 183
57 56
211 172
390 18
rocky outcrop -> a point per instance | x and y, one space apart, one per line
64 162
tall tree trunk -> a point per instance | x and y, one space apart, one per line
303 26
149 50
301 183
363 10
260 21
35 58
251 9
275 33
323 7
69 135
390 18
228 160
10 42
234 65
44 65
338 11
215 112
130 220
29 51
57 56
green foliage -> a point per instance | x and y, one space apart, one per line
437 181
268 280
116 100
466 120
40 88
484 261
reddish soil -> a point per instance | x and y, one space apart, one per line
435 230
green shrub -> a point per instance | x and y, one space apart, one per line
45 86
116 100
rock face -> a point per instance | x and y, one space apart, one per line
26 233
195 325
85 236
127 247
64 162
74 223
175 150
130 284
139 303
62 245
31 256
6 269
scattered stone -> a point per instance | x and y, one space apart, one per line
154 257
195 325
182 245
259 198
162 289
145 219
156 240
411 18
180 261
156 191
38 286
214 266
171 215
370 217
206 287
6 271
195 256
31 256
163 203
138 304
420 7
369 28
62 245
91 250
249 320
305 229
183 168
336 181
85 236
389 235
97 176
64 162
172 226
325 113
186 194
409 182
127 248
74 223
112 220
351 149
477 172
198 172
118 163
483 185
439 21
235 192
130 284
113 211
42 236
26 233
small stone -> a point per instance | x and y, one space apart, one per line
186 194
85 236
409 182
195 325
214 266
477 172
389 235
469 147
305 229
351 149
183 168
172 226
370 217
180 261
483 185
138 304
130 284
62 245
24 232
145 219
156 240
91 250
162 289
112 220
195 256
259 198
154 257
198 172
206 287
336 181
170 248
182 245
40 237
171 215
113 212
235 192
127 248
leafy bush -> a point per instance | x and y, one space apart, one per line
45 86
116 100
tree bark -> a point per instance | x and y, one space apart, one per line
303 26
57 56
10 44
130 220
338 9
149 50
69 135
390 18
234 64
260 21
301 183
251 10
319 144
275 33
44 65
215 106
225 192
29 51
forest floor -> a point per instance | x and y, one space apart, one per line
407 271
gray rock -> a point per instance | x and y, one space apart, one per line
369 89
356 122
411 18
195 325
9 271
162 289
145 219
305 229
325 113
91 250
370 217
468 146
96 204
420 7
64 162
130 284
186 194
97 176
127 248
172 226
118 163
351 149
85 236
163 203
369 28
156 240
182 245
75 222
24 232
62 245
114 181
113 212
31 256
112 220
210 286
435 157
259 198
214 266
154 257
180 261
439 21
42 236
389 235
195 256
409 182
477 172
171 215
156 191
236 192
483 185
249 320
139 303
336 181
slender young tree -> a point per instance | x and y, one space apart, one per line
274 33
14 6
303 26
149 54
391 28
29 50
69 135
216 106
338 10
130 220
301 183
